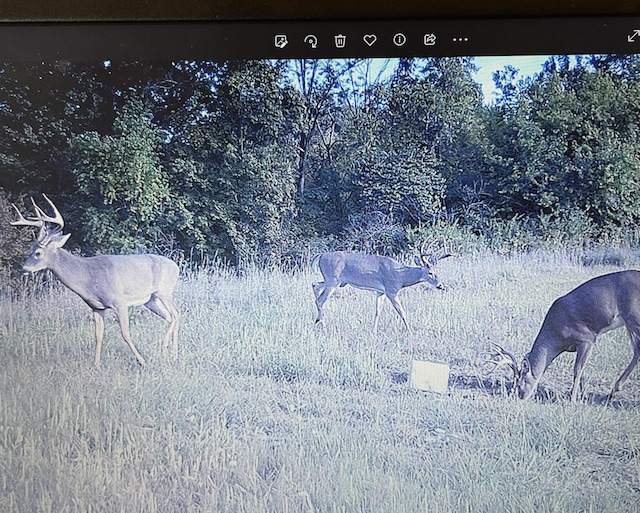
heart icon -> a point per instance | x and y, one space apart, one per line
370 39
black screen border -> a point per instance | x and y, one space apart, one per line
141 10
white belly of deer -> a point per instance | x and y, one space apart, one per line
98 304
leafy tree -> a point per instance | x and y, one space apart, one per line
333 97
569 143
436 105
407 187
257 159
14 244
42 105
123 188
238 156
39 105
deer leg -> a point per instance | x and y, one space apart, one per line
173 327
122 312
98 319
324 295
396 304
378 306
165 307
582 356
157 306
635 341
317 288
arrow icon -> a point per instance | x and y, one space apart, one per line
632 37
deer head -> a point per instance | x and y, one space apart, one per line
522 378
47 239
428 260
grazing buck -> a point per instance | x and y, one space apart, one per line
572 324
107 281
381 274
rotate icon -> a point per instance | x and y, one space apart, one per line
311 40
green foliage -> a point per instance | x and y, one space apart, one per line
569 142
406 187
235 172
374 232
43 104
434 106
14 243
124 172
260 160
34 122
337 129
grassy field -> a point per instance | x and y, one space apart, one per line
266 411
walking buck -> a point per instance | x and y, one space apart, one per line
381 274
572 324
107 281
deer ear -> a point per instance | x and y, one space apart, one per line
526 367
60 240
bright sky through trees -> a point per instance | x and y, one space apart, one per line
526 64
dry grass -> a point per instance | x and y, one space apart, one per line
267 412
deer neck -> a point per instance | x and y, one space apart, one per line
410 275
68 268
541 355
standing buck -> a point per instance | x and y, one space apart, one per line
105 282
572 324
380 274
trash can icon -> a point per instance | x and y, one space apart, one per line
341 40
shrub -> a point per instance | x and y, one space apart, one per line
14 245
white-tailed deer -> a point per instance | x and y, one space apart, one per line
381 274
572 324
105 282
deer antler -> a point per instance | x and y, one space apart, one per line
25 222
428 257
504 358
57 219
422 247
40 219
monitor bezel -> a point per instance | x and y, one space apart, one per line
120 10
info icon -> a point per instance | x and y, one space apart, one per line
399 39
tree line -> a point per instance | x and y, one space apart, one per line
268 160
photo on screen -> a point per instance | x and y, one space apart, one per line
315 233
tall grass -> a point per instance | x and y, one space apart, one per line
266 411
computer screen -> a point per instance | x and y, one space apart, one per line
320 265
